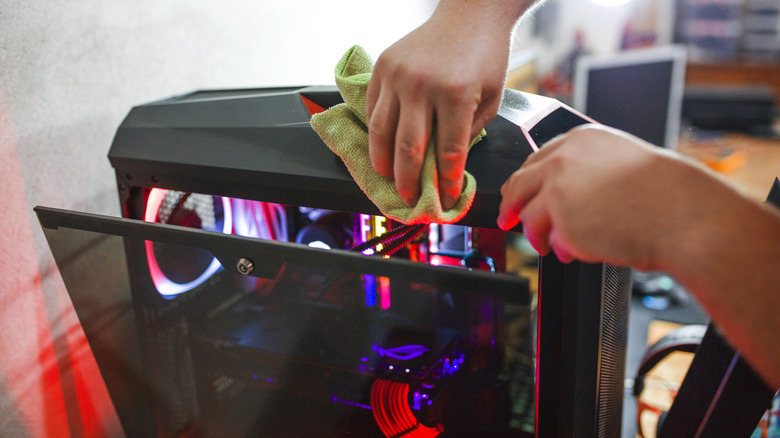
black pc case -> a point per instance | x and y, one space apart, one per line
281 339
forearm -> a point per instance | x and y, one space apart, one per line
478 23
495 16
727 253
597 194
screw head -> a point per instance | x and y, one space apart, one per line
245 266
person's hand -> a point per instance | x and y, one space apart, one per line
448 73
597 194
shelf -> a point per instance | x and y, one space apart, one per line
734 74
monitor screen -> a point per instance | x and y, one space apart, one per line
639 91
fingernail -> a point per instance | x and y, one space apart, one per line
447 201
410 202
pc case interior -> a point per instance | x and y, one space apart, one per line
226 301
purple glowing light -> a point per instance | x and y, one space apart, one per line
406 352
335 399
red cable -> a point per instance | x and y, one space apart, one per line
269 223
390 406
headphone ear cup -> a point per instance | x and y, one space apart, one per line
686 338
639 385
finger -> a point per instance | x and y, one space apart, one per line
557 142
411 138
536 225
453 135
485 112
509 210
516 192
381 134
372 95
545 150
559 246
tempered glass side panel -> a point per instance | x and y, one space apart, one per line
283 340
94 270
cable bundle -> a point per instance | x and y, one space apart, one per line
390 405
392 240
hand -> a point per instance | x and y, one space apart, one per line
450 71
597 194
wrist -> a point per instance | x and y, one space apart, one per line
705 214
681 226
493 17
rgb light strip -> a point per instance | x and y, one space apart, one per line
389 403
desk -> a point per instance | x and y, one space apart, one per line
750 163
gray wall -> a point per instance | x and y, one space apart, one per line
69 72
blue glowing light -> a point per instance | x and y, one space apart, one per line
370 288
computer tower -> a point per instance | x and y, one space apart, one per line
201 330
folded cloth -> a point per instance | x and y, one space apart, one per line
343 129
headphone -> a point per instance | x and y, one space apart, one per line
686 338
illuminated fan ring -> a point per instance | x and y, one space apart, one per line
164 285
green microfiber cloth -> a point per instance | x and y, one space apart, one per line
343 129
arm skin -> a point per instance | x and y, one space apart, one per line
599 195
450 70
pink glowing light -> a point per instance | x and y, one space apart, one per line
384 293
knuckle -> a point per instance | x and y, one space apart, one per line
452 151
480 122
557 162
555 192
457 90
414 80
459 93
451 165
486 114
409 150
510 182
507 186
378 127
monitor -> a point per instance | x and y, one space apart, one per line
639 91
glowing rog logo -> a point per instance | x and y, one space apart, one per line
405 352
